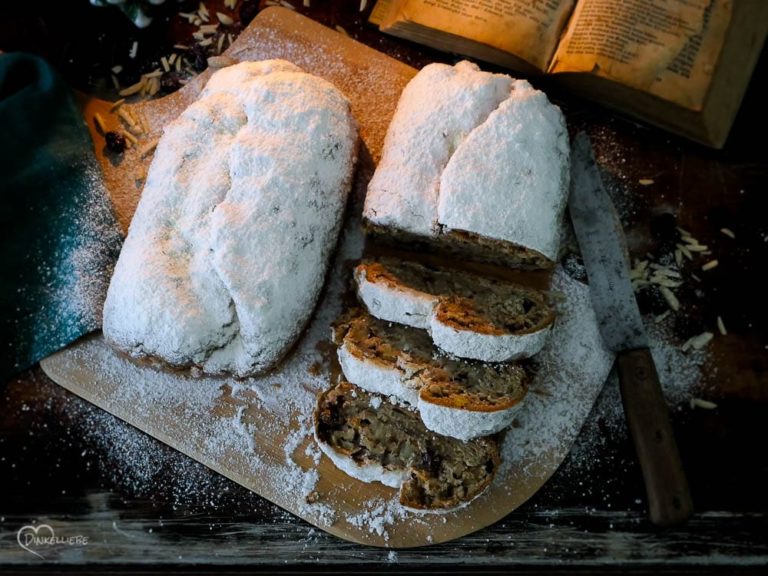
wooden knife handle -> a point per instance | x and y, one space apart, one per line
669 500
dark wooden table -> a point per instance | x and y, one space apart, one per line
144 507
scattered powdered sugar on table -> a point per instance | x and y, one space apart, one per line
379 515
680 375
67 266
137 466
683 374
86 265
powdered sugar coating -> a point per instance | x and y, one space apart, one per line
399 304
226 254
486 347
474 152
374 377
465 424
508 180
370 472
438 108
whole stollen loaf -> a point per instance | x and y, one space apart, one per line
226 255
473 163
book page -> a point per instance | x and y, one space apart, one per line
379 12
668 48
528 29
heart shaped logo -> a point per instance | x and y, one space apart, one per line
30 536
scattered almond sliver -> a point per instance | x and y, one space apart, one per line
224 19
671 299
147 148
701 403
133 89
117 104
130 137
698 342
685 252
100 123
129 120
663 316
721 326
220 61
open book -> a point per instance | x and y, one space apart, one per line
680 64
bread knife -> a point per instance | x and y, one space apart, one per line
603 249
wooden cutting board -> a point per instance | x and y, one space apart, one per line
258 432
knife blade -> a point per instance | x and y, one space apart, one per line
603 248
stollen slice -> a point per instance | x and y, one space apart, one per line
468 315
372 439
454 397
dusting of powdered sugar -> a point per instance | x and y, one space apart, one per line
380 515
549 420
240 212
373 85
87 264
680 376
471 160
508 180
435 113
570 371
60 292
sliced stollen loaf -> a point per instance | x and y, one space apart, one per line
456 398
467 315
373 440
473 163
244 199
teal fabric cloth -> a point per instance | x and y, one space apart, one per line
61 239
